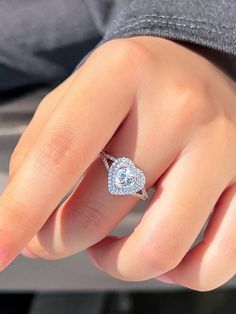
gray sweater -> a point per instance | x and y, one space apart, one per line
42 42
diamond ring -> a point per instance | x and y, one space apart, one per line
124 178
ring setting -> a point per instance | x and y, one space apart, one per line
124 178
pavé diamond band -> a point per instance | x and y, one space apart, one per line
124 178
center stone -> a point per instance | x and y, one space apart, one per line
124 177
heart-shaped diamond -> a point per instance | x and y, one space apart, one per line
124 177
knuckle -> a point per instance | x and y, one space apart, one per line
126 53
58 148
92 220
190 97
46 99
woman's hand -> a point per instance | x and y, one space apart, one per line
174 114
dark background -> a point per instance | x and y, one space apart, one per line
215 302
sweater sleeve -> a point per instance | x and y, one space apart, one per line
209 23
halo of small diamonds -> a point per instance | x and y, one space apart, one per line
124 177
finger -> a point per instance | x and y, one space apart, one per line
92 212
212 261
37 123
68 144
185 197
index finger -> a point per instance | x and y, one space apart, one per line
82 124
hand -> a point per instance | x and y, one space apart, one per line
174 114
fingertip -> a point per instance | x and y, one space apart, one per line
165 278
27 253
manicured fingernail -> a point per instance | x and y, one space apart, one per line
27 253
165 278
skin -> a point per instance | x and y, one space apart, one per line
173 113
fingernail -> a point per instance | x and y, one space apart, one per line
27 253
165 278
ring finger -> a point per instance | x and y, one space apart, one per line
187 194
91 212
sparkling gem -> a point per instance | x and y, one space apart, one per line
124 177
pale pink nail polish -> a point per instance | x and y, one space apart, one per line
27 253
165 278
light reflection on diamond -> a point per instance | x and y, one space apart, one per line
124 177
